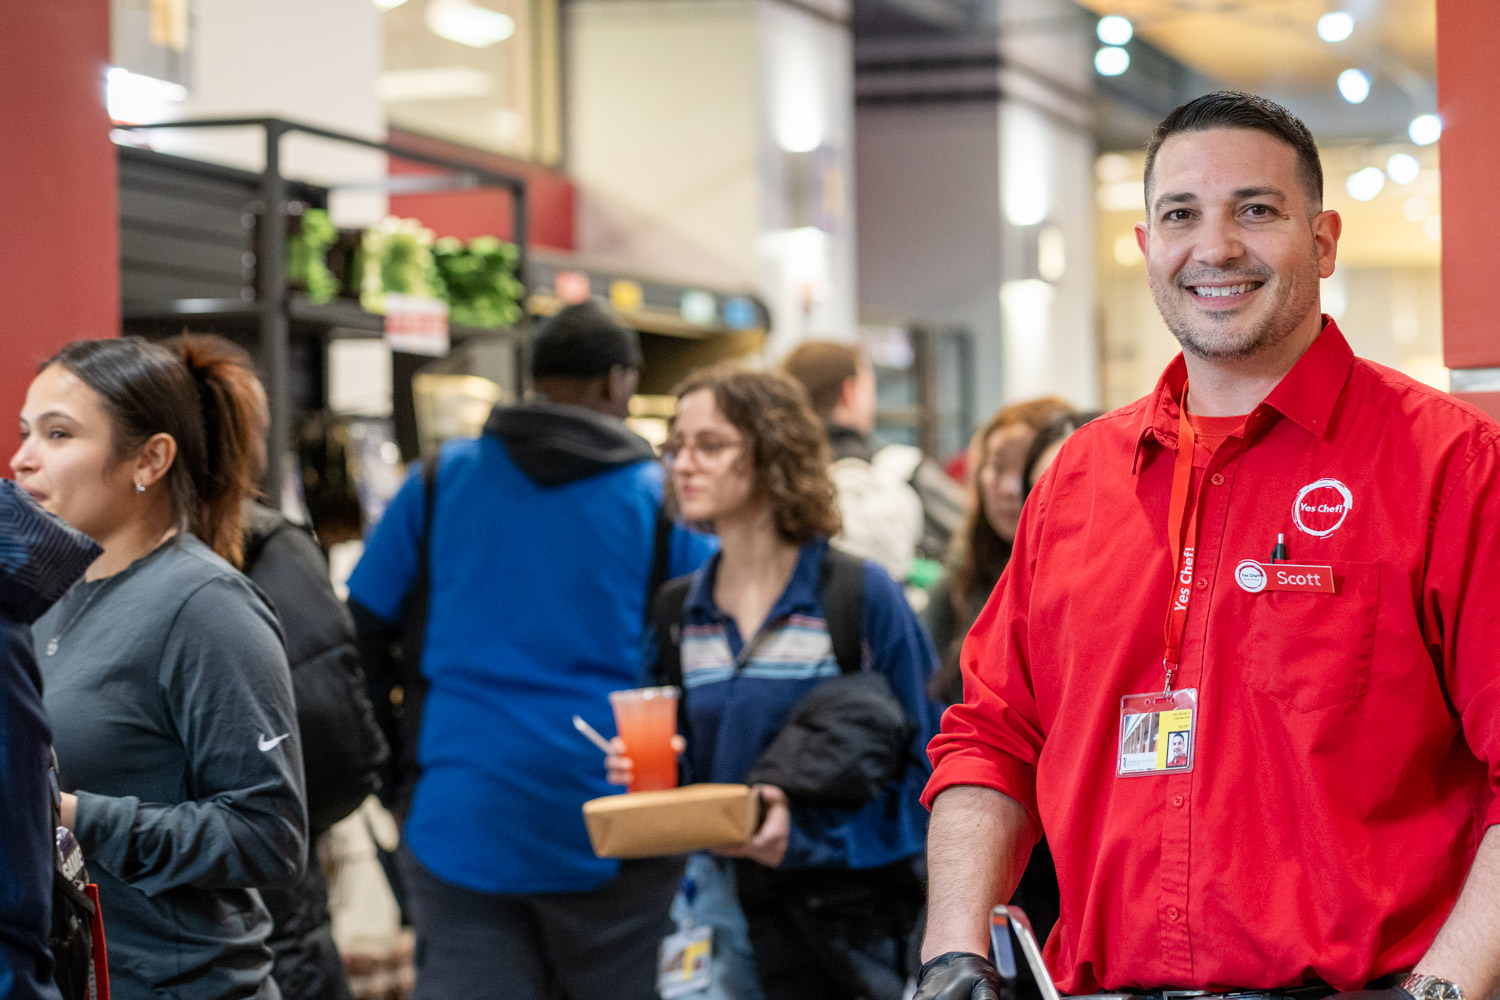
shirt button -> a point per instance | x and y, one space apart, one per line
1172 913
1217 479
1177 801
1202 583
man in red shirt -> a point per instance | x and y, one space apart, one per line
1286 554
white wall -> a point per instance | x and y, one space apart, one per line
314 61
661 136
807 246
930 230
679 115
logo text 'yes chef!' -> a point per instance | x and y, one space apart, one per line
1185 580
1321 507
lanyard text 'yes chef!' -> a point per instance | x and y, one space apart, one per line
1158 730
1184 544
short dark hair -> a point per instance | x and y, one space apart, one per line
1237 109
582 341
822 367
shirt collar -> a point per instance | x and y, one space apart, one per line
1306 395
801 592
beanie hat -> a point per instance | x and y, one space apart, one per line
582 341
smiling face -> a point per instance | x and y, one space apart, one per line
1234 248
67 457
711 471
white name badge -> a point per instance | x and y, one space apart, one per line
1158 733
686 963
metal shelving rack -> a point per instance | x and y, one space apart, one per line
267 308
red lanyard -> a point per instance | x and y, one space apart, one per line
1184 546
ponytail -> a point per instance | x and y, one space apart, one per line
230 398
201 391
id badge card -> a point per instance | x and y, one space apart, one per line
686 964
1158 733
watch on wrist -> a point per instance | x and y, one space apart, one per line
1423 987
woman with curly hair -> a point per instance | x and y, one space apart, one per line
829 892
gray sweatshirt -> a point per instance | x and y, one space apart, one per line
172 713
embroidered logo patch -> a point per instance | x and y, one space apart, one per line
1320 507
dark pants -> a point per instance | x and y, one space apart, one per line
831 934
578 945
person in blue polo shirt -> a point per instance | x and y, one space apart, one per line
540 549
829 888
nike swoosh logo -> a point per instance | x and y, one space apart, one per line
266 744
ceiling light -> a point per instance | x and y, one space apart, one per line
433 83
1415 208
1402 168
1115 30
136 98
389 4
468 24
1354 85
1111 61
1363 185
1425 129
1336 26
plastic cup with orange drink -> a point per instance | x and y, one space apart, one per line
646 719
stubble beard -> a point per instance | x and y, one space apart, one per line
1195 331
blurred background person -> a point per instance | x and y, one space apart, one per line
40 557
979 553
165 678
342 747
830 893
526 557
1048 443
881 514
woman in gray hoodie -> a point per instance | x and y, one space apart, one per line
167 687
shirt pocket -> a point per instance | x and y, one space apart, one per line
1310 651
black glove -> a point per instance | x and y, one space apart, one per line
959 975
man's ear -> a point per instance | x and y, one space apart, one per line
620 384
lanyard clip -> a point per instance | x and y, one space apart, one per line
1166 690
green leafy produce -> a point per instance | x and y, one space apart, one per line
307 255
479 280
396 257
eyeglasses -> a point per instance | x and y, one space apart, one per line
709 450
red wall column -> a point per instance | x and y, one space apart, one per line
1468 36
59 239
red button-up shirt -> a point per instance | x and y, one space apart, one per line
1348 744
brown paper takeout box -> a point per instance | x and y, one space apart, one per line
672 821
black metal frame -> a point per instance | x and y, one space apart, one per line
275 308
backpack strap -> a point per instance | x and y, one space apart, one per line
841 586
666 618
661 559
